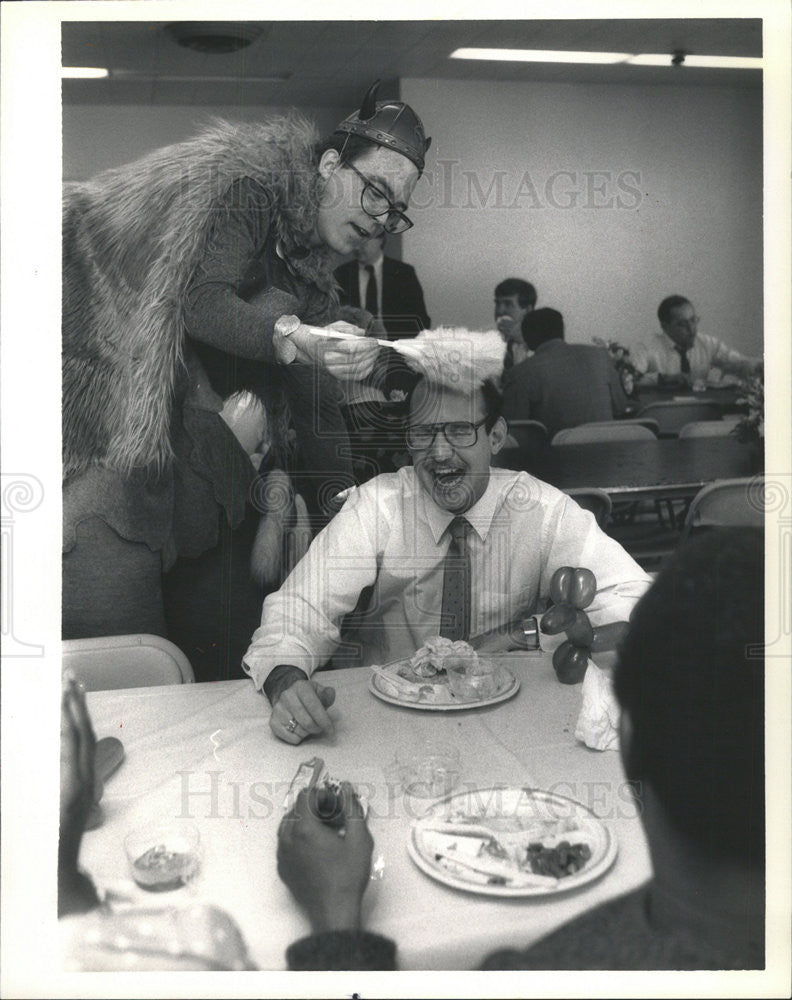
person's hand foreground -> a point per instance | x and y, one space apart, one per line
327 873
344 359
299 709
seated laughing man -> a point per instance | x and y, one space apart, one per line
383 557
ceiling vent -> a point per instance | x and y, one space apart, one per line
213 37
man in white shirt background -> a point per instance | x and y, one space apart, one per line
681 356
384 556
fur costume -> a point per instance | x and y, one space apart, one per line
132 239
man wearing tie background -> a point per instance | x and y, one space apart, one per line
681 356
447 546
387 288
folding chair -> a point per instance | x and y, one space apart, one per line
126 661
525 446
707 428
616 430
674 414
727 503
594 499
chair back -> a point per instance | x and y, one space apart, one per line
706 428
126 661
526 449
594 499
616 430
673 414
727 503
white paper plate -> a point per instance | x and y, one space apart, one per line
456 705
429 848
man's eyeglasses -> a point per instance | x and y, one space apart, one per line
458 433
376 204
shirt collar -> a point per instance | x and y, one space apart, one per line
479 516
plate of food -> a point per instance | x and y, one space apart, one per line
443 676
509 841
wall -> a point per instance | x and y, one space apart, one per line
97 136
606 197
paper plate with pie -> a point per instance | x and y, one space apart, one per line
511 842
443 676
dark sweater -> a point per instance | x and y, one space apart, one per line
643 930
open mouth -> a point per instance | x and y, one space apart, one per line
362 233
448 478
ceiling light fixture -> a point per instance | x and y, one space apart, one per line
214 37
539 55
84 73
678 57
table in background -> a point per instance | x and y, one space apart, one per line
206 750
659 469
724 396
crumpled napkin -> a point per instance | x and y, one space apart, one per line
598 723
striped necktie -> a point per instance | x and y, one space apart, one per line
455 614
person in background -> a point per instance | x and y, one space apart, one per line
383 557
692 744
177 270
680 356
513 299
561 385
386 288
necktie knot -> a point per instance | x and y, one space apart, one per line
459 529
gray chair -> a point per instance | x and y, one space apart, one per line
594 499
706 428
126 661
615 430
674 414
727 503
525 447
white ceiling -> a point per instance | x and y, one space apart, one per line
331 63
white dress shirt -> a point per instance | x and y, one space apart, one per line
661 357
389 541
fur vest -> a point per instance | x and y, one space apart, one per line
132 238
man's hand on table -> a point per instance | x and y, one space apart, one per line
326 873
298 705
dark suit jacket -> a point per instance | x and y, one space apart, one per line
564 385
403 308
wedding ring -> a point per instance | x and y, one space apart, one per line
292 724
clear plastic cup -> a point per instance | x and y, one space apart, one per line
164 856
428 770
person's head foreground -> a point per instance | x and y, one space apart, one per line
452 434
690 680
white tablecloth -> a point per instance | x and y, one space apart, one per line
206 751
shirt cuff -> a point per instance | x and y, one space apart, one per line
342 950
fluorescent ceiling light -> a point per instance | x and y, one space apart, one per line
705 62
606 58
540 55
83 72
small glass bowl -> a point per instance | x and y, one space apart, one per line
163 856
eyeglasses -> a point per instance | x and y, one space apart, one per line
375 204
458 433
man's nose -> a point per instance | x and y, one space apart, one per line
440 446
